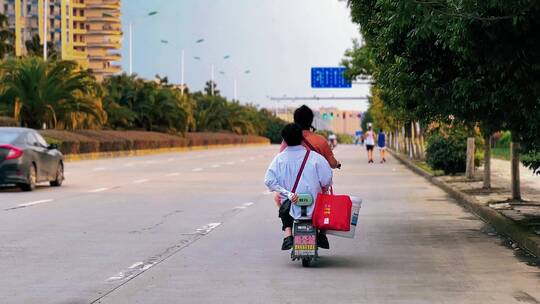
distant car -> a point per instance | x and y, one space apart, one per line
26 159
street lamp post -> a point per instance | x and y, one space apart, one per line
182 65
153 13
45 29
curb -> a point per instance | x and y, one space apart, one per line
131 153
526 240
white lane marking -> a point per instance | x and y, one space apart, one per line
229 163
136 265
98 190
244 206
197 170
170 159
141 181
216 166
242 160
131 271
24 205
207 228
99 169
173 174
129 165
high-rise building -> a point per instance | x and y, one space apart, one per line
85 31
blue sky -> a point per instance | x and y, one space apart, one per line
278 40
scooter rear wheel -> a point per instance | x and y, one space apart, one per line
306 262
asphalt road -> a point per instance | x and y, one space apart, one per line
199 227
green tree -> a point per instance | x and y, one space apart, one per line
54 93
437 59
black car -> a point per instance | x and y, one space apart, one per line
26 159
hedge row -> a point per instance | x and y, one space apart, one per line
89 141
8 122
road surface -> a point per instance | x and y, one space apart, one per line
199 227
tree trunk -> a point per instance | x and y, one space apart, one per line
413 148
487 162
469 172
516 189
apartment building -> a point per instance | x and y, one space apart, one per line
86 31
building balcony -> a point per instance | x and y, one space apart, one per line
104 45
104 32
105 57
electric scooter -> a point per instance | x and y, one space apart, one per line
304 234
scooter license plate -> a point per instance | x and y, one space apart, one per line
305 240
305 245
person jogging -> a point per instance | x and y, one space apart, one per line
370 143
381 144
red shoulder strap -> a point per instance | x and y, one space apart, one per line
300 171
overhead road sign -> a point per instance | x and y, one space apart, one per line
329 78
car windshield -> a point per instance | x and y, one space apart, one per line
8 137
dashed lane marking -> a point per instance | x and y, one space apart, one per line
244 206
216 166
98 190
197 170
173 174
29 204
98 169
141 181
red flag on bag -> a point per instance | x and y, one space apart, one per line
332 212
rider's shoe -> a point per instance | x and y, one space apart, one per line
322 241
287 243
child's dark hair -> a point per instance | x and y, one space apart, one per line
304 117
292 134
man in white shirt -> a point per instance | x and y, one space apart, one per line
282 175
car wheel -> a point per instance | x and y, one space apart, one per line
57 182
32 179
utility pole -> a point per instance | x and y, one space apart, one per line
45 29
212 77
235 90
182 72
131 48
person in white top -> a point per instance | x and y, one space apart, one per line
283 173
369 138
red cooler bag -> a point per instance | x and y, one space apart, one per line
332 212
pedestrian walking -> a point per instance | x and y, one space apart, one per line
370 143
381 144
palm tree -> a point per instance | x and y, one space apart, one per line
52 93
35 48
6 38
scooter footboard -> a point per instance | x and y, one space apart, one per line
305 240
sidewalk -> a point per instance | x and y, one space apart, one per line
518 220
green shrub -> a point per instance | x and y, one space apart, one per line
504 140
447 154
88 141
345 139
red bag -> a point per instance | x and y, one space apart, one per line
332 212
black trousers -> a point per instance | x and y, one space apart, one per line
286 219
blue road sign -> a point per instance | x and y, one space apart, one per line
329 78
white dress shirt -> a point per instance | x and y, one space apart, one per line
281 175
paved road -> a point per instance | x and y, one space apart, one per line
199 227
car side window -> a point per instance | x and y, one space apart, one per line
41 141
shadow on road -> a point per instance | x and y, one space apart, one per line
332 261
